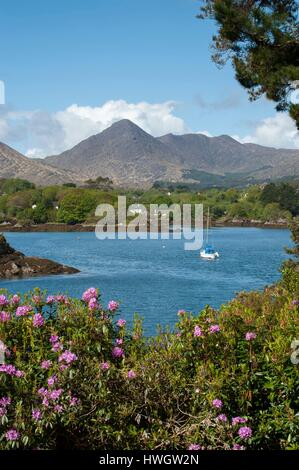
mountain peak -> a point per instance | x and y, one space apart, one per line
130 156
124 124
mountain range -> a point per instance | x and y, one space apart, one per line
133 158
15 165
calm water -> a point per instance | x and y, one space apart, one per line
156 277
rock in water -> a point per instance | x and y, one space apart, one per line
16 264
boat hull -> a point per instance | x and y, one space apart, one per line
209 256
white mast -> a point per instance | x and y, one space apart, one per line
208 225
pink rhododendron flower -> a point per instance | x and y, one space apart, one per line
46 364
245 432
113 305
222 417
54 339
250 336
38 320
74 401
121 322
24 310
238 447
131 374
9 369
105 366
181 313
89 294
117 352
12 435
55 394
93 304
46 402
52 380
214 329
217 403
68 357
36 414
62 299
197 331
194 447
119 341
15 300
4 317
5 401
3 300
238 420
58 408
19 373
57 347
50 299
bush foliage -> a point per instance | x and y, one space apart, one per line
21 202
77 377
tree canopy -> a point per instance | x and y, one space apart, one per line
261 38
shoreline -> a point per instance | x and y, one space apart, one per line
91 228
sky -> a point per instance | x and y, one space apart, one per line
71 68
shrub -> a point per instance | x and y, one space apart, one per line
76 377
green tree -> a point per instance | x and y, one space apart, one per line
76 206
261 37
13 185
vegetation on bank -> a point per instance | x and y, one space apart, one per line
76 377
21 202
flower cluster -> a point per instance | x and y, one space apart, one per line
12 435
117 352
60 299
91 293
113 305
197 331
214 329
3 300
5 317
250 336
9 369
23 311
4 403
56 343
38 320
67 357
217 403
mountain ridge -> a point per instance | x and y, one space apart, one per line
132 157
15 165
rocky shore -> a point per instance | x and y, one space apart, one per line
52 227
15 264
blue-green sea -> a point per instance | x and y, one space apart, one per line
156 277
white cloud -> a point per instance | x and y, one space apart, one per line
278 131
206 133
46 134
42 133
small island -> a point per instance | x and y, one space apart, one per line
16 264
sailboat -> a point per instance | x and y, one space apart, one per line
208 251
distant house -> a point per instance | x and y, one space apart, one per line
138 209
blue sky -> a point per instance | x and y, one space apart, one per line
59 53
